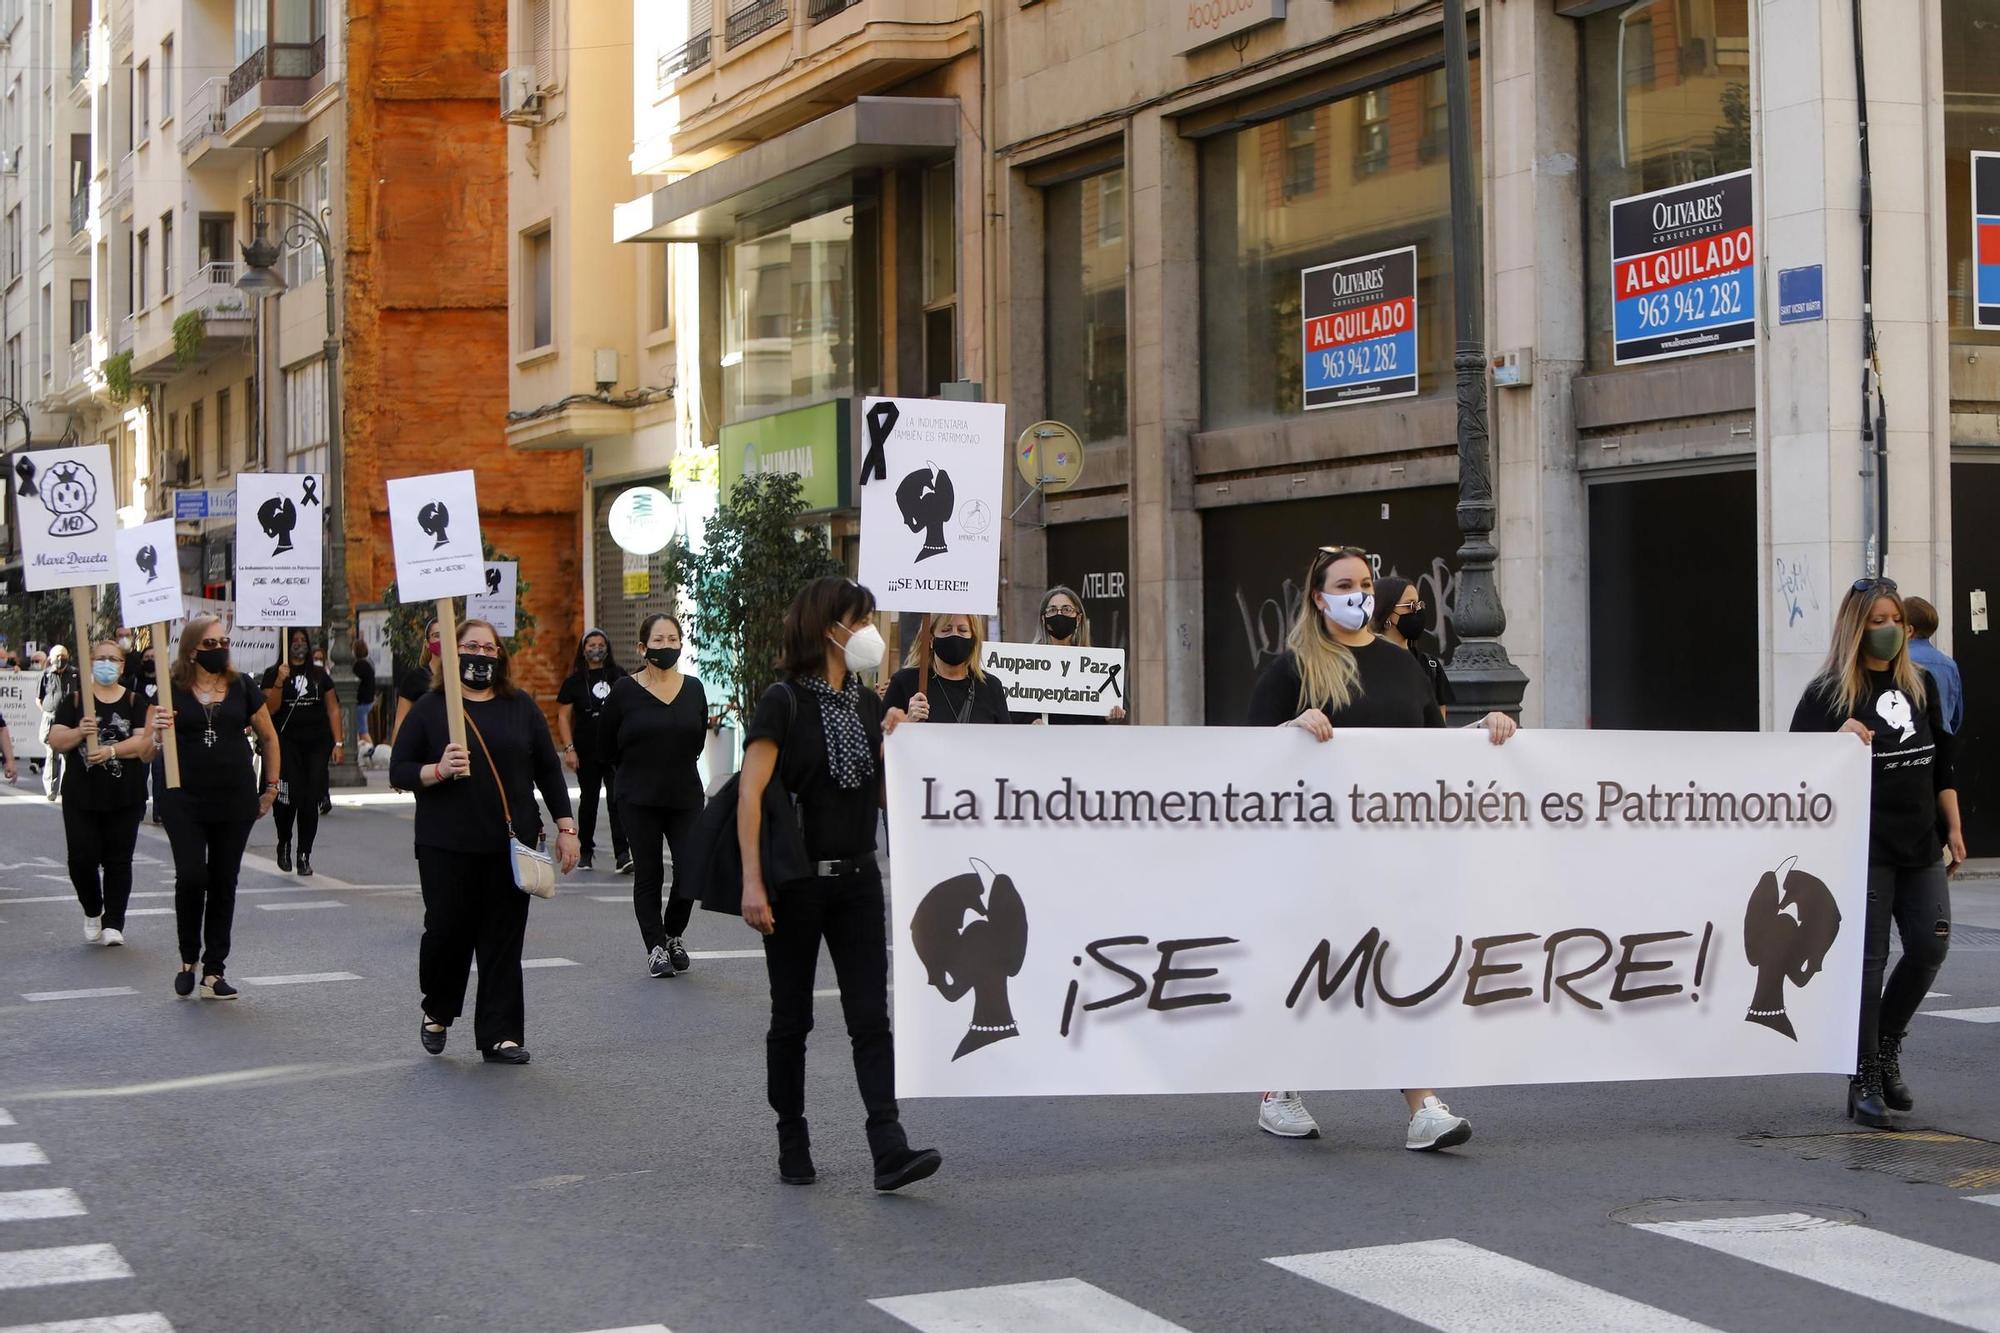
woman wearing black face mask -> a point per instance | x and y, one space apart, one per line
1066 624
1402 618
947 648
299 695
580 718
654 726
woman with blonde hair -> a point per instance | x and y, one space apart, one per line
1870 689
1339 671
941 679
1064 623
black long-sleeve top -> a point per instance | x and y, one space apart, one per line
655 745
980 699
464 815
1393 691
1913 763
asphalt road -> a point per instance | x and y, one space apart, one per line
295 1161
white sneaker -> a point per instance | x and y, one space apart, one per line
113 937
1434 1127
93 928
1284 1114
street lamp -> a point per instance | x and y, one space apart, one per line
260 281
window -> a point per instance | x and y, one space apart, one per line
305 417
252 27
13 243
166 255
538 39
940 276
195 442
1436 142
789 315
215 240
139 270
79 309
309 185
142 104
166 80
537 289
1085 261
1971 123
131 275
222 423
1371 138
663 288
1301 153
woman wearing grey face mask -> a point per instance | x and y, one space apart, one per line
580 705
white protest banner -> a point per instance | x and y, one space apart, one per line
149 574
251 647
18 705
495 600
434 522
280 548
931 503
1049 678
68 510
1153 910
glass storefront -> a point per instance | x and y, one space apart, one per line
1085 268
1971 124
792 327
1666 102
1353 177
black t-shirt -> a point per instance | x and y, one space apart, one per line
116 783
655 745
1433 666
415 684
464 815
300 716
217 780
586 692
1913 763
838 822
1393 691
364 682
970 700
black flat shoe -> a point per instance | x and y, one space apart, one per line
184 984
285 855
433 1041
906 1167
505 1055
217 989
305 864
795 1167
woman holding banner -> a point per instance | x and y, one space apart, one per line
1870 689
819 734
1064 623
1339 672
946 654
464 842
209 816
300 696
104 796
1402 618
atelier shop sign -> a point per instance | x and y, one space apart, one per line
1205 21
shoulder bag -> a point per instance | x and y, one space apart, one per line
534 869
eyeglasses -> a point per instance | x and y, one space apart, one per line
479 649
214 643
1413 606
1884 585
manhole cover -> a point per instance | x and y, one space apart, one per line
1924 1157
1736 1215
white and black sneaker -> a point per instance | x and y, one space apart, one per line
677 951
1433 1126
623 865
93 929
1285 1114
660 963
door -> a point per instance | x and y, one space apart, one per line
1975 645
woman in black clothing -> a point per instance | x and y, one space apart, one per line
819 733
654 726
419 680
364 697
464 862
579 717
104 797
210 814
1338 671
301 699
1402 618
960 690
1066 624
1871 689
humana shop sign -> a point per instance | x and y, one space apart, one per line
1205 21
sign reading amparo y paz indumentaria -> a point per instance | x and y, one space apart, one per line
813 443
1054 678
1360 329
1684 270
1199 22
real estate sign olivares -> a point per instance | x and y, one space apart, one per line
1683 270
1360 329
1986 240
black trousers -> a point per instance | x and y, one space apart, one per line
646 826
208 855
471 908
1918 901
100 858
305 772
592 773
847 913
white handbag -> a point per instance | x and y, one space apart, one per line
534 869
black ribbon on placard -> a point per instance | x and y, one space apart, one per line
1111 683
309 494
25 470
881 422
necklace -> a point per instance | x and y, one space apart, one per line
961 711
208 708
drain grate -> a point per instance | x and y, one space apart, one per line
1922 1157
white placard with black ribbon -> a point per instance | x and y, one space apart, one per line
495 600
280 548
67 503
149 574
932 489
1052 678
434 523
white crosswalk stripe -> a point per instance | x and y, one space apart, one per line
117 1323
38 1205
59 1265
1993 1199
297 907
1066 1305
1985 1014
634 1328
22 1154
300 979
1457 1287
1906 1274
94 993
5 1119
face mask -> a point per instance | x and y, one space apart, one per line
1349 610
1883 642
595 656
214 661
663 658
436 647
146 667
104 673
1059 626
952 649
125 644
864 649
478 673
298 655
1412 624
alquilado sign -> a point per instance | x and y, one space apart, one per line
1205 21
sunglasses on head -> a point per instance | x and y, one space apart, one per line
1880 585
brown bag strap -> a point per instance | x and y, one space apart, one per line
494 768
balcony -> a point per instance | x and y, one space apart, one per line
80 359
264 97
819 11
79 59
747 22
212 290
691 56
79 210
204 122
121 184
122 334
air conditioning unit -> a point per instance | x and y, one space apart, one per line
520 102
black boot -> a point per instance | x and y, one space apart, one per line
1894 1091
285 855
1864 1095
906 1166
795 1163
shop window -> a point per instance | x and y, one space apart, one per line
1085 257
1371 139
1666 102
789 326
1971 124
1301 154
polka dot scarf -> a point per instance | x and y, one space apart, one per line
848 755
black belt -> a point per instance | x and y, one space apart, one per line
853 865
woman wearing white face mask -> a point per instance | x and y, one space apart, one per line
1339 672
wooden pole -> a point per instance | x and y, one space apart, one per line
454 688
924 657
163 685
79 605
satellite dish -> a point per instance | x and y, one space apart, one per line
1050 456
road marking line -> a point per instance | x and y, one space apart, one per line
6 1119
117 1323
300 979
59 1265
296 907
1993 1199
1066 1305
611 898
725 953
1457 1287
635 1328
22 1154
95 993
1936 995
35 1205
1985 1014
548 962
150 911
1906 1274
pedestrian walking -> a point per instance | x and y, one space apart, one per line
1923 618
364 697
209 816
306 714
819 734
579 717
7 768
653 728
473 802
104 796
1337 672
1871 688
946 652
57 682
419 680
1402 617
1064 623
